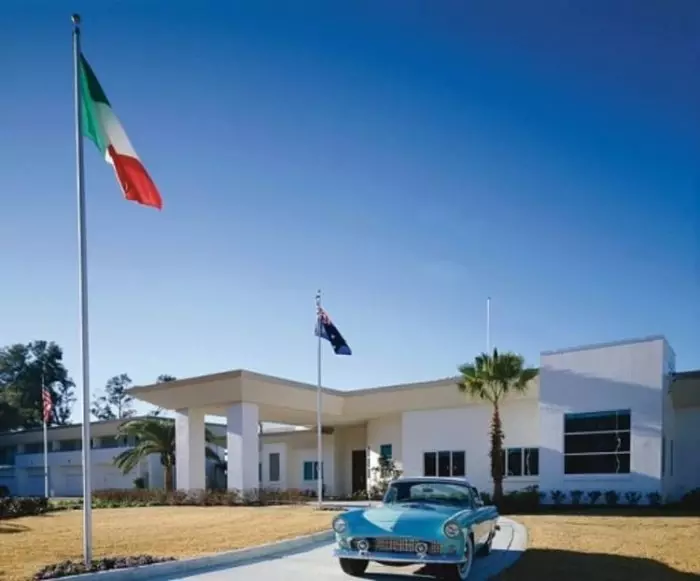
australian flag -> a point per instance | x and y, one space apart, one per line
328 331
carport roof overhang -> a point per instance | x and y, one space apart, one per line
290 402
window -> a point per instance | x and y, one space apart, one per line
112 442
597 443
670 458
663 456
520 462
260 472
34 448
311 470
385 451
444 463
70 445
7 455
274 459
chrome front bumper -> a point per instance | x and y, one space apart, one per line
407 558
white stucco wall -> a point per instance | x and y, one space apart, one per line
604 378
467 428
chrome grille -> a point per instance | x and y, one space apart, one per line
399 545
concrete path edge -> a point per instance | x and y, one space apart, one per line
183 567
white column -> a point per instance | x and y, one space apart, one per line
190 462
242 446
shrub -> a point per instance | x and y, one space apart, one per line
359 495
654 499
525 500
633 498
691 499
593 496
557 497
119 498
140 482
576 496
486 498
611 497
70 568
23 506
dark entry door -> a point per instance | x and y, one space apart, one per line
359 470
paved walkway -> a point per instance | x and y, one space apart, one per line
320 565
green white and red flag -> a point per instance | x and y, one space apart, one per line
101 126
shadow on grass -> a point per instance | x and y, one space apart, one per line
10 528
573 566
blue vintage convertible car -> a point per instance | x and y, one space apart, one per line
437 522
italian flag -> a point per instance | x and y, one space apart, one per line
102 127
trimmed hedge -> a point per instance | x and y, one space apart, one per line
16 506
69 568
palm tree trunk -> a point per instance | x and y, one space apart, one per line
496 450
169 484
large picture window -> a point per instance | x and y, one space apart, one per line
445 463
597 443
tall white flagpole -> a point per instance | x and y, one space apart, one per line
319 433
46 438
83 294
488 325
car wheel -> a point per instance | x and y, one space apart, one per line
354 567
460 572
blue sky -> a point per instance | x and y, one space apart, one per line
410 159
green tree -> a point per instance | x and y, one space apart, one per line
155 436
492 378
116 403
165 378
24 369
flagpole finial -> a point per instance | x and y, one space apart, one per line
75 19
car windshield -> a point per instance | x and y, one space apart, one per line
430 492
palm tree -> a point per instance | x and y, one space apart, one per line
155 436
491 378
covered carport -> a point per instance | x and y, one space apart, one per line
244 399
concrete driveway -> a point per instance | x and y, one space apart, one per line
317 563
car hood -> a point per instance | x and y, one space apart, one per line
400 519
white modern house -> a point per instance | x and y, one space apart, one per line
610 416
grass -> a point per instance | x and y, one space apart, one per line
608 548
27 544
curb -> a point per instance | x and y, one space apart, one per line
190 566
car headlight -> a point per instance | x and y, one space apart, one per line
452 530
339 525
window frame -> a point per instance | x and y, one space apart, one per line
436 462
525 453
599 424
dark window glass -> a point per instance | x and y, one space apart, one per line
35 448
597 422
260 472
429 464
385 451
274 467
443 464
597 443
7 455
515 462
532 461
308 470
597 464
459 464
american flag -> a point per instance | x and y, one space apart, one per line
47 404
